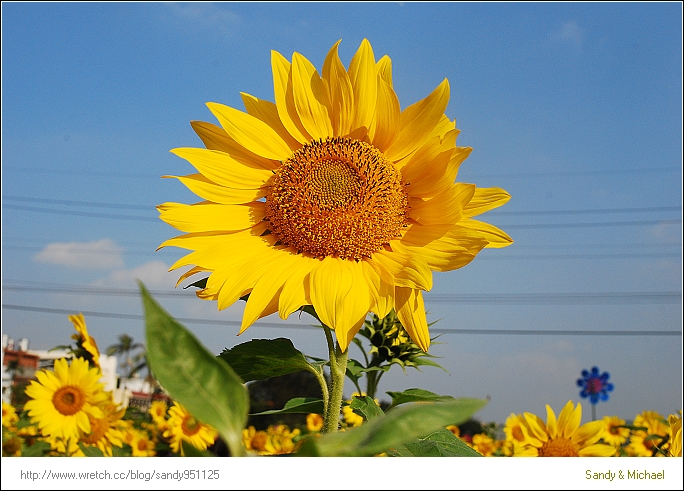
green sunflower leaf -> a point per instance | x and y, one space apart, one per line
38 449
192 451
206 385
441 443
90 451
417 395
264 358
366 407
303 405
398 426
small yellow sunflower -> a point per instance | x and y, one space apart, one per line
62 401
333 196
314 422
565 437
648 442
86 340
158 411
142 445
517 434
105 431
183 426
9 415
614 432
483 444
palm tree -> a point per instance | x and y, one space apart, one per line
132 362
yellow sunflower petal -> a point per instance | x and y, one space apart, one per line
569 419
597 450
536 427
295 293
264 297
363 76
310 98
384 69
215 138
405 270
340 92
417 122
551 423
441 249
212 216
427 171
340 295
411 312
444 208
282 89
210 191
267 112
381 292
494 235
588 433
222 169
484 200
384 129
250 132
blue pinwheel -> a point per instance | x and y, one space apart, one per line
595 386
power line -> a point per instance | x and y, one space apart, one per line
586 212
588 298
496 332
82 213
85 172
511 227
576 173
69 202
498 257
591 224
96 204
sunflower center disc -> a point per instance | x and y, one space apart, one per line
68 400
337 197
559 447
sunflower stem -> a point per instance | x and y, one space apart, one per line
338 371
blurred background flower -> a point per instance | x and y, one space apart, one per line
595 386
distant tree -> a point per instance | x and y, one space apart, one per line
132 362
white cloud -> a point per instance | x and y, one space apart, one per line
569 33
154 274
101 254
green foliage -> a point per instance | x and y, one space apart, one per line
389 345
301 405
206 385
398 426
264 358
417 395
90 450
366 407
441 443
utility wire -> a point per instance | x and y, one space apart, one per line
85 172
589 298
496 332
514 226
498 257
95 204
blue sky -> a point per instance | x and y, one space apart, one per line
575 109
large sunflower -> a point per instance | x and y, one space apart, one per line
332 197
62 401
564 437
